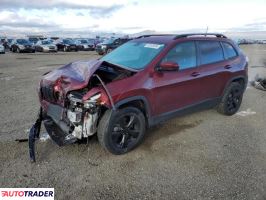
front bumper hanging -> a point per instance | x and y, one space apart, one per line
34 134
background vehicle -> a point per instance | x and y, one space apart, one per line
141 83
67 45
109 44
22 45
45 46
85 45
2 49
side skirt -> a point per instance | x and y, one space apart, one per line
203 105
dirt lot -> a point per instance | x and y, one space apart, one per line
204 155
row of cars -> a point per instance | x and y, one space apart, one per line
51 45
250 41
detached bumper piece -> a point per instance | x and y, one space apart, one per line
57 129
60 137
34 135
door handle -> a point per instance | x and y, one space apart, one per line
227 66
194 74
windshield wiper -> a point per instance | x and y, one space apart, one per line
121 66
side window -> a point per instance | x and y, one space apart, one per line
184 54
210 52
229 50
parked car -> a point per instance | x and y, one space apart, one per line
110 44
2 49
67 45
141 83
22 45
33 40
85 45
45 46
8 43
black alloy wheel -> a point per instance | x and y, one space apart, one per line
231 99
122 130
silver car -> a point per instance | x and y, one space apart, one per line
45 46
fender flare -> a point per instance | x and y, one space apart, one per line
245 78
134 98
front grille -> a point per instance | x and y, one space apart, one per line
51 47
47 93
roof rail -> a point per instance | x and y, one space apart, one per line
143 36
202 34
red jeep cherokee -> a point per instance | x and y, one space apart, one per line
141 83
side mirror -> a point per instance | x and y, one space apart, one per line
168 66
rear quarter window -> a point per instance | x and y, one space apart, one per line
210 52
229 50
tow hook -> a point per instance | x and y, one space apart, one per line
34 135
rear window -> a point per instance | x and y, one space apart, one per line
210 52
229 50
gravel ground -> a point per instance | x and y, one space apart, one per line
204 155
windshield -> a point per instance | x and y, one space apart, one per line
135 55
108 41
23 41
91 41
68 42
83 41
47 42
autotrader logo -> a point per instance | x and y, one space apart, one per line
27 193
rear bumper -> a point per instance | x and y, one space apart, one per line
72 48
100 51
50 50
27 50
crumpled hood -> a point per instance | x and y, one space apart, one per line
72 76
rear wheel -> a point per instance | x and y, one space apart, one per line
122 130
231 100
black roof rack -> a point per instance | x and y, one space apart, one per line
200 34
143 36
218 35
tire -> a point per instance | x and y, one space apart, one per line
231 99
122 130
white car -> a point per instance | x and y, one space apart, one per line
2 49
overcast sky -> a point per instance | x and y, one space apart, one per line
131 16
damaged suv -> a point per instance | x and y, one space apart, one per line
142 83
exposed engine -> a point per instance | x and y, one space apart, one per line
83 116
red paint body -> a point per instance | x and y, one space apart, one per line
164 91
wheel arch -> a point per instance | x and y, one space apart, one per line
242 80
139 102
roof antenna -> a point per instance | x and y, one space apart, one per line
206 31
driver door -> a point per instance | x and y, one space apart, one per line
174 90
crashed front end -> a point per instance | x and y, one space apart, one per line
72 99
75 120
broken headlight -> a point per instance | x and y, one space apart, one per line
95 99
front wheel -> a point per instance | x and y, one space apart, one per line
231 100
122 130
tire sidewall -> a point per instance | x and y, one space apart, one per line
231 87
107 140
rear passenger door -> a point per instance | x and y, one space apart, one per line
212 68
